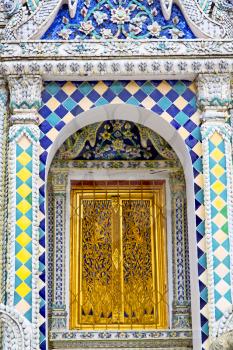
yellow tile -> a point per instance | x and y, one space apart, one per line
198 149
23 272
85 103
23 289
132 87
23 222
24 206
196 118
217 170
52 104
180 102
24 158
24 190
216 154
23 255
164 87
23 239
24 174
219 203
166 116
193 88
216 139
24 142
52 134
183 132
101 88
117 100
218 187
69 88
148 102
67 118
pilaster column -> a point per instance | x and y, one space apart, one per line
59 183
23 223
181 303
214 97
3 197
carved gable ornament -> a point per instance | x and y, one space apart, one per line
117 19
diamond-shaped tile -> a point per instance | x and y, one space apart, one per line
23 239
216 139
23 222
217 170
24 158
24 206
216 154
23 255
218 187
24 190
219 203
23 272
23 289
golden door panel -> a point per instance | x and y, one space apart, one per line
118 256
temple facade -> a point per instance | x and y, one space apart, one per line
116 186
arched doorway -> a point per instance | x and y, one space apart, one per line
148 119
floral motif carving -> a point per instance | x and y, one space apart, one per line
116 140
110 19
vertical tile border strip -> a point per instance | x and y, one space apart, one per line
32 134
138 92
225 131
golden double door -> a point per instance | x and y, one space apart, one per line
118 265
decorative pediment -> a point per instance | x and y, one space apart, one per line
96 19
115 140
111 19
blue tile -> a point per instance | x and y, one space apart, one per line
190 125
69 103
45 142
76 110
156 109
85 88
140 95
61 111
189 110
93 96
124 95
45 127
173 111
43 157
156 95
175 124
188 95
45 96
61 96
52 88
172 95
44 111
60 125
117 87
109 95
77 95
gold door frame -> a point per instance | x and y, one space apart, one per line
117 192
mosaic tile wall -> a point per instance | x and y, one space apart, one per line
220 238
23 229
174 101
